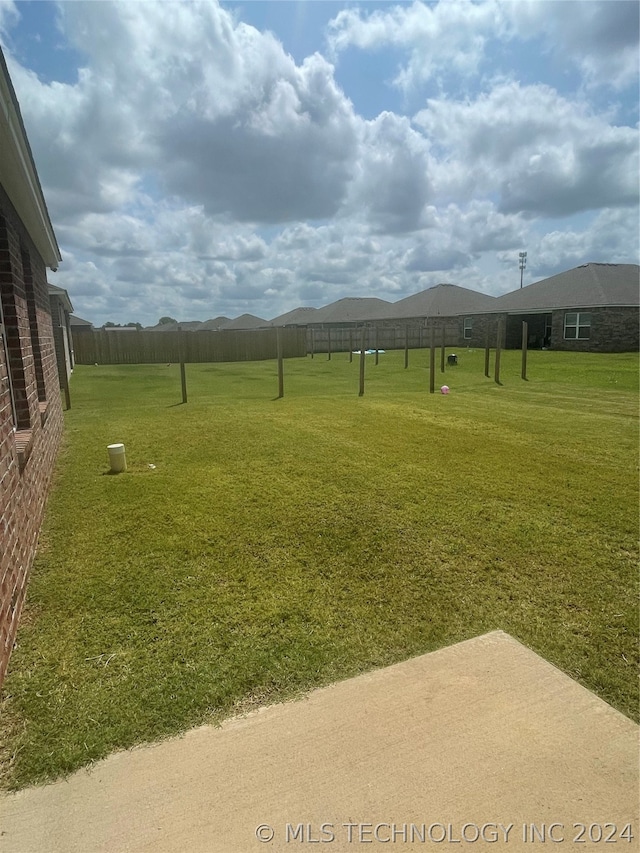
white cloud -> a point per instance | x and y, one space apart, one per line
220 112
612 237
449 36
601 39
194 168
391 182
287 156
86 149
8 17
542 154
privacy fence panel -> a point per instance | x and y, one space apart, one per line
119 347
385 337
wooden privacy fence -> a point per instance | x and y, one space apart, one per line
344 339
119 347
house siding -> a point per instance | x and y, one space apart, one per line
482 325
27 456
612 330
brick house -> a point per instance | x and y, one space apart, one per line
442 307
30 406
591 308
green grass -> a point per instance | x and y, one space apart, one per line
279 545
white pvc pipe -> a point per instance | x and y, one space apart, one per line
117 458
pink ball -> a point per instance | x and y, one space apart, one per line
444 389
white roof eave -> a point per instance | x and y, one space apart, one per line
19 179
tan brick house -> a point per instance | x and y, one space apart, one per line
30 406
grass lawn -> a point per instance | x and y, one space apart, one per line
278 545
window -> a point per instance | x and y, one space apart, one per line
5 347
17 381
13 356
577 326
468 324
33 325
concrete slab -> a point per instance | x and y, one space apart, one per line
467 746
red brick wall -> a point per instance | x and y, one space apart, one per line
27 456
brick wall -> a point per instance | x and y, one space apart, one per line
612 330
27 455
481 324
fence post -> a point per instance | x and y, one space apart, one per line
376 339
350 346
525 341
498 348
313 341
280 364
362 358
183 374
486 353
432 361
406 347
183 380
329 343
442 348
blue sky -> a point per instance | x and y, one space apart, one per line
201 159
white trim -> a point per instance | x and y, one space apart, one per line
3 335
577 326
19 178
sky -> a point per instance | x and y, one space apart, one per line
201 159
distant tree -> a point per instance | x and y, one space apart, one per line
164 320
133 325
110 325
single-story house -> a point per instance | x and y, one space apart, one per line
246 321
78 325
30 407
591 308
334 327
349 311
390 325
443 307
302 316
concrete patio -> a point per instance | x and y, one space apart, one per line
469 745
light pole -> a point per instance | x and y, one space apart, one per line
523 263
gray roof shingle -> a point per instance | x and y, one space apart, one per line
78 321
588 286
247 321
297 317
351 310
443 300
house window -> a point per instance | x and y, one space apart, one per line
577 326
33 326
7 361
13 356
468 324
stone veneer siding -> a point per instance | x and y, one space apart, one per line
27 455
